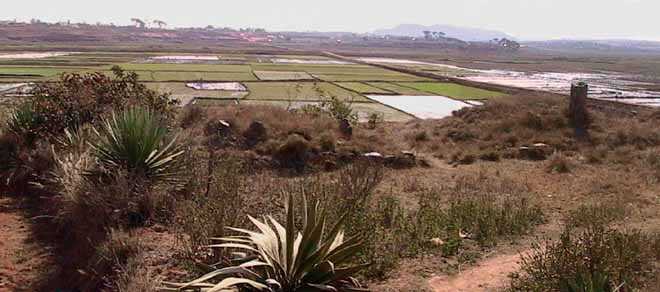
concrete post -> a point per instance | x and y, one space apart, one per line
577 110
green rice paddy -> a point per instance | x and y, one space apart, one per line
267 82
453 90
300 91
282 75
363 88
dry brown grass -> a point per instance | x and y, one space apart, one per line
501 126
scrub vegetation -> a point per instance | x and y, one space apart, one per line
136 182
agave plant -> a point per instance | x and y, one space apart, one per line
136 140
282 259
23 122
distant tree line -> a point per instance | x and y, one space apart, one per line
433 35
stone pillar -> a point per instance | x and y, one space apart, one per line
577 110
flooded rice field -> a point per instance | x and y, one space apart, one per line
423 107
607 86
17 56
228 86
614 87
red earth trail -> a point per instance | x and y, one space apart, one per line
489 275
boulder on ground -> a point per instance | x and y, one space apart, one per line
255 134
538 151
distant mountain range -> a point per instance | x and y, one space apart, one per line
462 33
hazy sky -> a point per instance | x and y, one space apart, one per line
527 19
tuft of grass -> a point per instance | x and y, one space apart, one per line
614 260
421 136
219 199
559 163
133 277
596 214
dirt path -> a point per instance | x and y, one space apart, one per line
489 275
20 259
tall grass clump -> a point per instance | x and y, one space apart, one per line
597 258
286 258
136 140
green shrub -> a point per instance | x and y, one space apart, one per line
479 208
135 140
78 99
598 256
598 214
375 119
219 199
282 258
293 153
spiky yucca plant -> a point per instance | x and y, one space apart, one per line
283 259
135 140
23 122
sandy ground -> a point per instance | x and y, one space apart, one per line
489 275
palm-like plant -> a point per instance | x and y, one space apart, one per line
23 122
284 259
136 140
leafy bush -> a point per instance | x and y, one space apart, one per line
80 99
281 258
598 256
135 140
293 153
375 119
340 110
219 200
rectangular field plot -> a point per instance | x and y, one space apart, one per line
180 89
186 67
423 107
363 88
453 90
363 109
310 91
368 77
282 75
398 89
187 95
213 102
206 76
322 69
33 73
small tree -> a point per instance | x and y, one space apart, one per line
79 99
